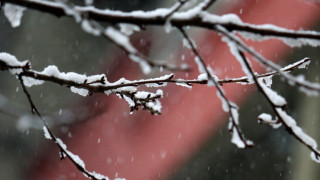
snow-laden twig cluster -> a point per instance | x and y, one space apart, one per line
121 25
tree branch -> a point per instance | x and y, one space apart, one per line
64 152
237 135
194 17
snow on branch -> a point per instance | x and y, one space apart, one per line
277 102
90 17
197 16
125 89
237 136
308 87
64 152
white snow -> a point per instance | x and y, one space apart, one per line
235 52
26 122
308 91
128 29
214 79
51 70
167 26
291 42
70 76
183 84
235 115
297 131
46 133
268 81
314 157
159 92
89 2
79 161
80 91
161 78
225 105
11 60
236 138
303 65
74 157
186 43
27 81
13 13
142 94
299 42
145 67
276 99
69 10
203 77
130 89
265 117
200 65
224 19
160 12
156 84
155 106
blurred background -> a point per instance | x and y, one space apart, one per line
189 141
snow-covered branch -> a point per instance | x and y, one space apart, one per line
196 16
277 102
305 86
237 136
64 152
126 89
